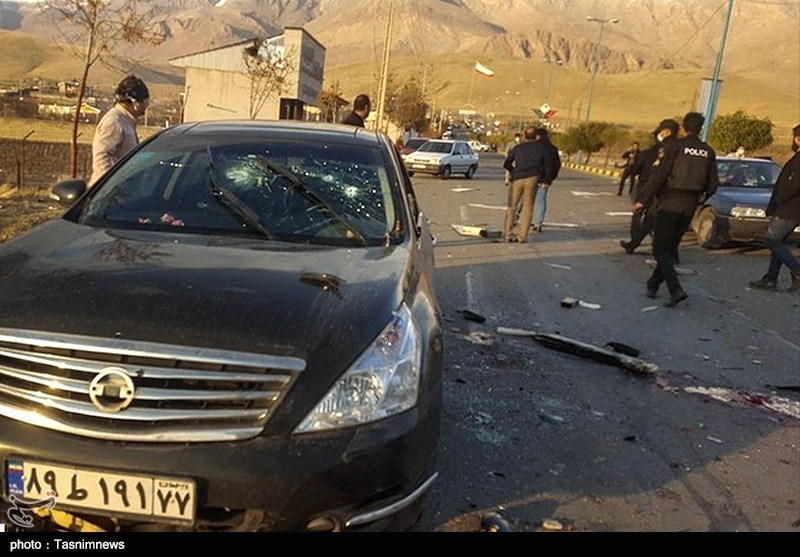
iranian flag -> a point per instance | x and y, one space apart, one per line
483 70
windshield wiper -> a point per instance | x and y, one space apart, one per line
314 196
231 201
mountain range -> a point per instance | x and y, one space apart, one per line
762 46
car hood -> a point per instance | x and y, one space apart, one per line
297 300
426 157
751 197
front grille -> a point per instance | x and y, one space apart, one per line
179 393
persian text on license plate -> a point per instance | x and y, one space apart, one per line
163 498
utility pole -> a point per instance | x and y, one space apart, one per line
595 55
712 101
381 126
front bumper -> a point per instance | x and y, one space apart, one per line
740 229
361 478
424 167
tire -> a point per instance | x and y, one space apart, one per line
708 235
470 172
446 172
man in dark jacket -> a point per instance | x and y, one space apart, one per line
784 213
642 223
629 170
687 173
361 109
527 163
551 173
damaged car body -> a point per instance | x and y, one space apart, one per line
236 328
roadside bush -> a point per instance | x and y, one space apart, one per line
730 131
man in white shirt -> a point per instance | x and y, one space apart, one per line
116 132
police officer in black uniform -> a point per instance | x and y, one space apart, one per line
686 175
642 223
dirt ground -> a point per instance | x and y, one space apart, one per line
21 211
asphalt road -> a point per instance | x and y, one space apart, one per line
710 442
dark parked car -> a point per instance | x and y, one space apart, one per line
737 212
235 329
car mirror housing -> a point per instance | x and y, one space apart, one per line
67 191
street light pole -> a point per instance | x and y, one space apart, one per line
712 100
595 53
553 64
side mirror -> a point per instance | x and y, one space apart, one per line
68 191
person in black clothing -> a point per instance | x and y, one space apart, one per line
629 170
784 212
361 109
527 163
687 173
642 223
551 173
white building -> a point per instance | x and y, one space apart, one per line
219 87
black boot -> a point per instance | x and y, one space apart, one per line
767 283
675 299
795 287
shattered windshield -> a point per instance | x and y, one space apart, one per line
283 191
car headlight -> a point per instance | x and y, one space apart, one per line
740 211
383 381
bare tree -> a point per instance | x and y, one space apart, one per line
268 68
93 30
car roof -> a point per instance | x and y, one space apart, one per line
745 159
278 129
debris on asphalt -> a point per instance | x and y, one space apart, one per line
777 404
497 474
623 348
756 362
569 302
552 418
493 522
589 305
472 316
552 525
649 308
461 190
557 266
478 337
515 332
714 439
596 353
630 439
795 388
476 231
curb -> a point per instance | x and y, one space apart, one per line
593 169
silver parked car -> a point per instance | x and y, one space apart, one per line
443 158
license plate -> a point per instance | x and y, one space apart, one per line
164 498
417 166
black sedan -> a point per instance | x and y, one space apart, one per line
236 328
737 212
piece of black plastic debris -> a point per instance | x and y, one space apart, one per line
569 302
498 474
630 438
493 522
597 353
472 316
623 349
459 380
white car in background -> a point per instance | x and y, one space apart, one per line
479 147
443 158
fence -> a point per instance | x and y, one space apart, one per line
34 165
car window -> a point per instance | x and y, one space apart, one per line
437 147
297 191
739 173
415 143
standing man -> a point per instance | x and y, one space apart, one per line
527 164
784 213
628 171
115 134
642 223
687 173
551 173
361 109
